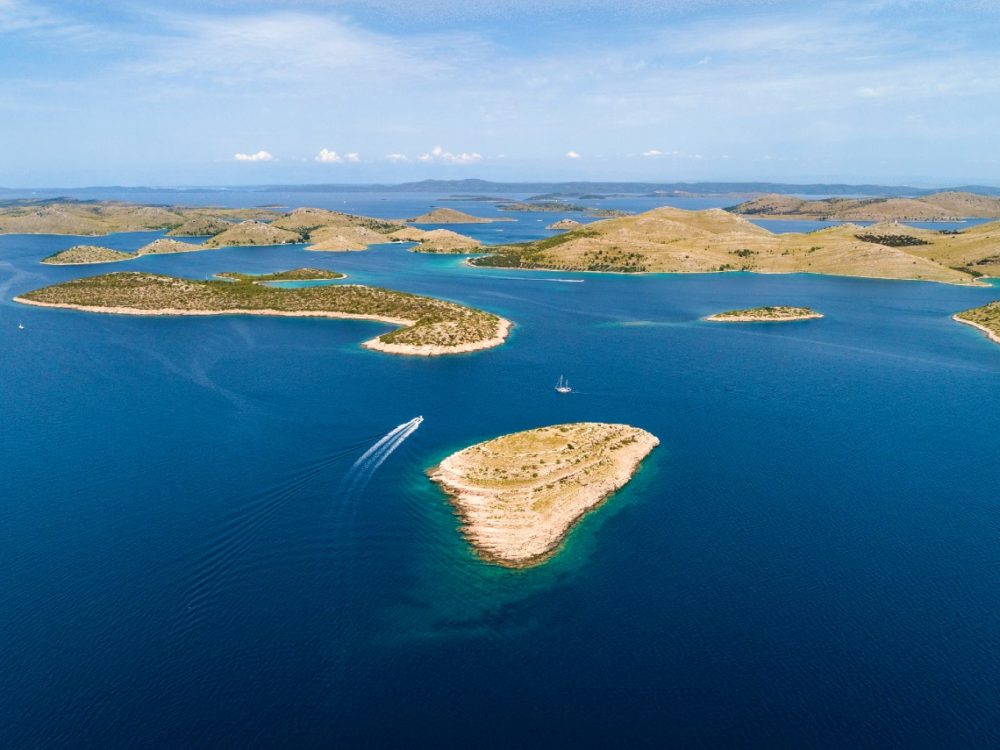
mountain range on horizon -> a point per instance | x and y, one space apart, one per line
577 189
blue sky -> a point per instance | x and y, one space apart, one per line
219 92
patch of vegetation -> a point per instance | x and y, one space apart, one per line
296 274
613 260
892 240
987 316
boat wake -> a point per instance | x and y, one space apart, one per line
361 472
225 562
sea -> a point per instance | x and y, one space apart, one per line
199 547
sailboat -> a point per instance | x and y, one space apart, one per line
21 326
562 385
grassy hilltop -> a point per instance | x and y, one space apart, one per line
678 241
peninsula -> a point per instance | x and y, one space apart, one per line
985 318
427 326
672 240
519 495
945 206
764 315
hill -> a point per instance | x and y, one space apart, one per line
253 233
450 216
678 241
91 218
946 206
200 226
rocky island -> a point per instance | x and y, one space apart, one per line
164 246
985 318
765 315
519 495
427 326
564 224
83 254
451 216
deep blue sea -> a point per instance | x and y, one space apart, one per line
811 558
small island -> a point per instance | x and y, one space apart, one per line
985 318
427 326
778 314
83 254
564 224
520 494
451 216
164 246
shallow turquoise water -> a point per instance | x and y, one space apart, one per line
810 557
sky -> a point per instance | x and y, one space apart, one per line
230 92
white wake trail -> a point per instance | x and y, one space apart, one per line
391 447
371 459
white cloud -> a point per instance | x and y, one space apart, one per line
396 157
259 156
655 153
353 157
572 155
438 154
328 156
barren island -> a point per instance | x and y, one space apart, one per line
775 314
520 494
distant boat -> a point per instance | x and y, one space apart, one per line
562 385
21 326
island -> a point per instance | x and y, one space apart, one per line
985 318
541 206
437 240
452 216
777 314
92 218
944 206
84 254
164 246
673 240
565 224
519 495
427 326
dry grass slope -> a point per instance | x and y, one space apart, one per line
677 241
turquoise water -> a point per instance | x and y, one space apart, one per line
809 559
